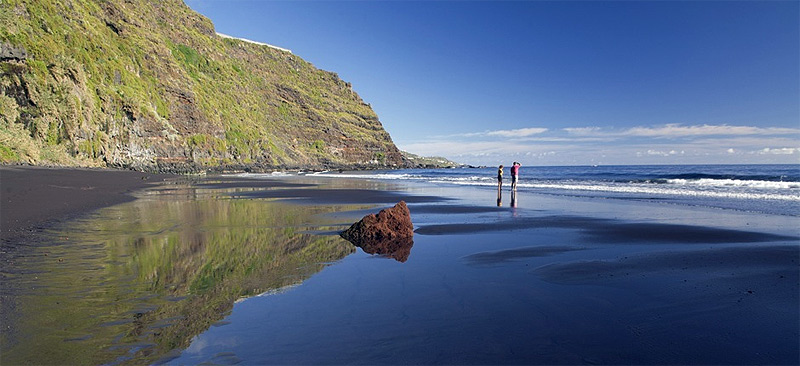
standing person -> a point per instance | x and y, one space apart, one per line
500 177
514 175
499 186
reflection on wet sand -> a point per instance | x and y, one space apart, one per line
137 281
490 258
514 198
398 249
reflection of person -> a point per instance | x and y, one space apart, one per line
514 199
514 175
500 177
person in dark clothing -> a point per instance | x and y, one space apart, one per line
500 177
499 186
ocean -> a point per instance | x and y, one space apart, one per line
770 189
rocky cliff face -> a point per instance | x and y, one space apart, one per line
149 85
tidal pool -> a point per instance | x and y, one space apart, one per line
133 282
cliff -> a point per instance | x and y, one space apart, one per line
149 85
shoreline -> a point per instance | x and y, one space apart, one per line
34 198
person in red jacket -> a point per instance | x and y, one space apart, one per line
514 175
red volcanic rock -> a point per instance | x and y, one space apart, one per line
391 223
390 232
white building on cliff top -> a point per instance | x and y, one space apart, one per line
254 42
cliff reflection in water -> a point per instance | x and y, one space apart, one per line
139 280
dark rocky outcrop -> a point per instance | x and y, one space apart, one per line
9 52
389 233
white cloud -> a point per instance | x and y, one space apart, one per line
748 142
661 153
670 144
521 132
780 151
584 131
453 148
677 130
567 139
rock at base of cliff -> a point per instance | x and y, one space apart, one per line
388 233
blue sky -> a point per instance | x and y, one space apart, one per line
555 82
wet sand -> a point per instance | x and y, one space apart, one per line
613 231
559 281
556 282
34 197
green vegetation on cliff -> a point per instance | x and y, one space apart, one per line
150 85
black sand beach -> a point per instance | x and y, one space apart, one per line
32 197
235 270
